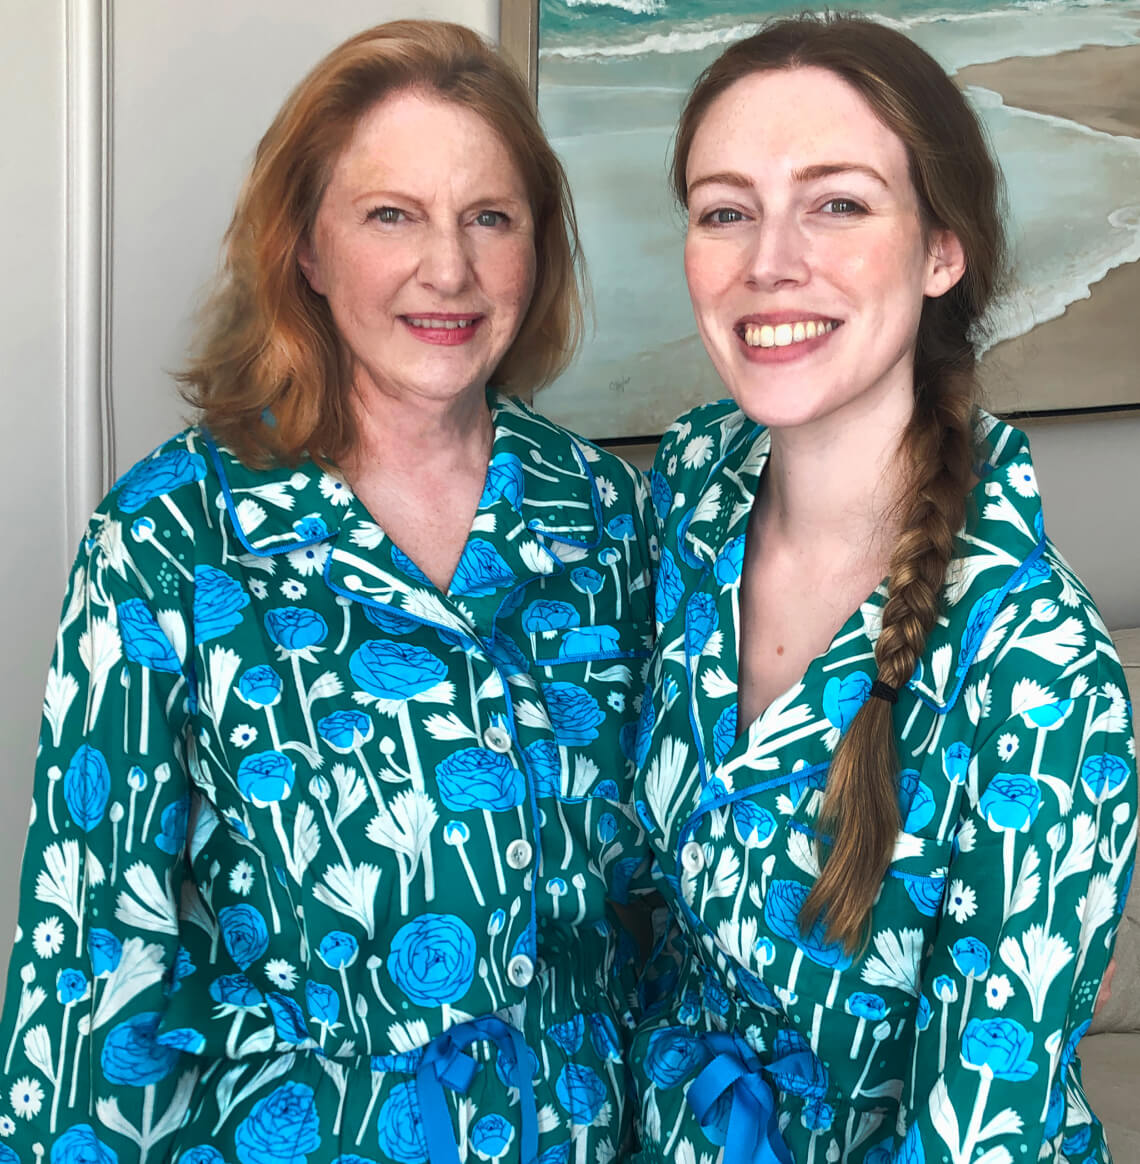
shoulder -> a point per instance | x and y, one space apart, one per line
168 474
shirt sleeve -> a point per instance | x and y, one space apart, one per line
1037 883
97 951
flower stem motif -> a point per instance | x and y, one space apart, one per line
457 834
782 905
432 959
1010 804
338 950
998 1049
972 959
347 731
491 1137
700 621
1103 776
866 1008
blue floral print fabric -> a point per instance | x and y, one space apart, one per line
320 856
952 1035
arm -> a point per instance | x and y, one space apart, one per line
97 941
1042 861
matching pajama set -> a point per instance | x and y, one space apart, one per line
951 1036
319 855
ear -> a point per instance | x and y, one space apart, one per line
946 263
310 267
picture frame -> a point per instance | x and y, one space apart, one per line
1064 337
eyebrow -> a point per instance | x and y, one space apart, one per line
807 174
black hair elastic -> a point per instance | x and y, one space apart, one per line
881 690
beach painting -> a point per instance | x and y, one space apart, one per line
1057 85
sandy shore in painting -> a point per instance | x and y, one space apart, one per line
1098 87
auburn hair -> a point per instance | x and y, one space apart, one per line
959 189
269 373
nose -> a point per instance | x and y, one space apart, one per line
445 265
779 253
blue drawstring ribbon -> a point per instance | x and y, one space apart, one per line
444 1064
753 1134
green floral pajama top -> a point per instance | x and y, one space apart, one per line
319 855
951 1038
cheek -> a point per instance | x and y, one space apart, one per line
705 272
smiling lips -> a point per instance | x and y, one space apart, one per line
445 330
782 335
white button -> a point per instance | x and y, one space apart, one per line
693 857
520 970
519 854
498 739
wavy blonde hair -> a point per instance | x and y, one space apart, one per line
268 371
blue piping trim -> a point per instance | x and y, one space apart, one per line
600 657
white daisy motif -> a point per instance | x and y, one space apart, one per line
27 1098
697 451
241 878
293 589
1007 746
257 588
1023 479
281 973
7 1126
47 937
616 700
333 489
998 991
962 903
606 491
243 735
309 560
671 466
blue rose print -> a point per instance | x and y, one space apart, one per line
782 907
569 1035
661 493
910 1150
244 933
183 1039
926 893
506 1065
1011 801
1077 1142
105 952
700 622
235 990
288 1019
956 762
866 1006
752 823
670 588
673 1054
491 1136
817 1116
400 1127
172 832
70 986
545 766
481 570
581 1092
323 1002
201 1154
296 628
80 1145
183 967
715 998
406 566
504 479
433 959
150 479
922 1013
588 642
977 626
281 1129
218 603
621 527
310 529
604 1036
971 957
338 949
842 698
574 714
545 615
131 1056
477 778
86 787
388 620
606 828
7 1156
265 777
756 991
815 1083
645 724
916 802
395 670
724 732
349 1158
505 654
260 686
587 580
730 561
143 640
1103 776
1001 1045
559 1154
345 730
880 1153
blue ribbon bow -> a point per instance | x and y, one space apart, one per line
444 1064
753 1135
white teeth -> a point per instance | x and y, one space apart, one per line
430 321
764 335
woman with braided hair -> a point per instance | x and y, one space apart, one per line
885 762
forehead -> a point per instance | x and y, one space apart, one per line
786 119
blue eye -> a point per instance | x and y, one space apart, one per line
722 216
491 218
386 214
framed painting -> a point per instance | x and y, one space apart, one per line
1057 88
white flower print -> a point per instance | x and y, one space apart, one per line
309 560
281 973
1007 746
7 1126
998 991
257 588
1023 479
27 1098
671 467
243 735
47 937
616 700
241 878
1028 694
962 903
697 451
606 491
294 590
333 489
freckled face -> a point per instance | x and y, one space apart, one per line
423 247
806 258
